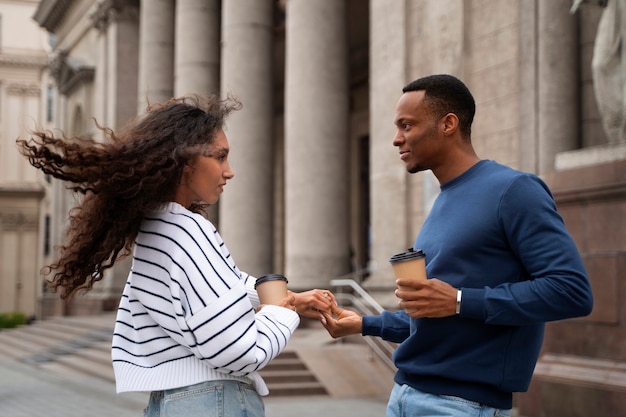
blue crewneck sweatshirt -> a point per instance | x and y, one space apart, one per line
495 233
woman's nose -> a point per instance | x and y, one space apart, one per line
228 172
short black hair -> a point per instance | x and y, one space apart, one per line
447 94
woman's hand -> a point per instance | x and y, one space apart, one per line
314 302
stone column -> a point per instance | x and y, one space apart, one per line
528 62
388 187
156 52
246 208
316 141
100 87
124 33
197 57
558 84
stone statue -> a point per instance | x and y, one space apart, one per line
608 66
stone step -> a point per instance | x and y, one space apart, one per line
40 346
271 376
92 366
287 375
287 364
288 389
57 334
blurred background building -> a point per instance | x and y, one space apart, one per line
319 191
24 195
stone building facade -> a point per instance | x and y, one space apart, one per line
319 190
23 57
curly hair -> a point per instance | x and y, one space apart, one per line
129 174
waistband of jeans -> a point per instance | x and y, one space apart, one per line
238 381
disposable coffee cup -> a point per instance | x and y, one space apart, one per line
272 288
409 265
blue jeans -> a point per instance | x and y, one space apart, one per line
406 401
207 399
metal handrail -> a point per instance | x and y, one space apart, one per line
365 304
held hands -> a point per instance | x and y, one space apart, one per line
426 298
322 305
314 303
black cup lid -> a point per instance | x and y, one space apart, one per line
409 255
270 277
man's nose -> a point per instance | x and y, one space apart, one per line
397 139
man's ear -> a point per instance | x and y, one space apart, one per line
449 124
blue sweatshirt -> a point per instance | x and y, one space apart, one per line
495 233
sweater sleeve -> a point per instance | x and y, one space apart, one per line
204 300
557 286
391 326
252 294
229 335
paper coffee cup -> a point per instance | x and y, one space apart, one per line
410 264
272 288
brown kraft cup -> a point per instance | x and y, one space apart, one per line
409 265
271 288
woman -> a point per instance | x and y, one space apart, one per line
189 326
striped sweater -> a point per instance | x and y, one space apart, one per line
187 314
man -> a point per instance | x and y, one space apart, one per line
500 264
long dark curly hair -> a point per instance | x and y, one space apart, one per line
130 173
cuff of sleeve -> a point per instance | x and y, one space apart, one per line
285 316
370 325
474 303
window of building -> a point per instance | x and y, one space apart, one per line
46 236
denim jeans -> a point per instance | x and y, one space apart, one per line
406 401
207 399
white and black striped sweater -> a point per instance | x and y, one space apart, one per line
187 312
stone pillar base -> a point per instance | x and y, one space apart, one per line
51 305
567 385
54 306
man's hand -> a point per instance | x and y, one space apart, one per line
314 302
342 322
426 298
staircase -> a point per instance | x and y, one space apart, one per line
82 345
287 375
73 345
